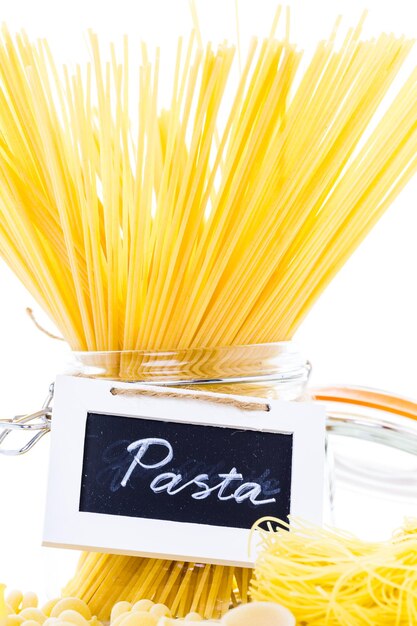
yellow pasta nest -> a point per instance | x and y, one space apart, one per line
330 578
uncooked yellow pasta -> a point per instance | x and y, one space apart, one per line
74 612
329 578
214 219
135 228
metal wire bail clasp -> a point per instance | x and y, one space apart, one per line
38 422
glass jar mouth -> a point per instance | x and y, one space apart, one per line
281 362
287 347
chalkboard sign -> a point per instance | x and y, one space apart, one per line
185 472
176 477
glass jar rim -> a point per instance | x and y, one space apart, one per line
289 346
280 361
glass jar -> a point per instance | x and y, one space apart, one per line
274 371
371 460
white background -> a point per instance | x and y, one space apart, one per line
362 331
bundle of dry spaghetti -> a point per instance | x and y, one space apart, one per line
329 578
216 219
103 579
135 229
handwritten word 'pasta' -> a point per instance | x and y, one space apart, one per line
231 485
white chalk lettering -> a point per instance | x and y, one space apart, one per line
227 479
250 491
142 446
170 482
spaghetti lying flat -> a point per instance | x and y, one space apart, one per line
330 578
216 219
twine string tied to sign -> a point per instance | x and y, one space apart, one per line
244 405
43 330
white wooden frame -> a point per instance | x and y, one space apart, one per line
66 526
